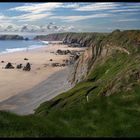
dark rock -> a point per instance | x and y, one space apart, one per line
55 64
26 39
19 66
51 60
9 66
66 61
59 52
73 58
26 59
76 57
27 67
63 65
2 61
63 52
58 65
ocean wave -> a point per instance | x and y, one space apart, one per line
31 47
45 42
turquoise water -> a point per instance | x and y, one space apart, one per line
8 46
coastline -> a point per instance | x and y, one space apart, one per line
8 46
25 102
15 83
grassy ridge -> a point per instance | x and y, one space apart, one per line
72 36
115 115
112 108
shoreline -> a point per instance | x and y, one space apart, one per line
40 71
15 82
23 49
27 101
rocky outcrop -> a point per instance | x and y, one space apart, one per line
127 42
63 52
51 37
19 66
26 59
72 39
9 66
82 39
27 67
58 65
11 37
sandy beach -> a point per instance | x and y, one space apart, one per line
16 82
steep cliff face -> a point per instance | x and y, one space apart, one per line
83 65
52 37
99 48
82 39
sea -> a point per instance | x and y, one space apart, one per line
9 46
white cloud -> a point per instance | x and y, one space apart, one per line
39 11
97 6
43 10
4 20
31 17
125 10
127 20
78 18
37 8
70 5
32 12
48 28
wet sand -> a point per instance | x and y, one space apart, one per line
25 102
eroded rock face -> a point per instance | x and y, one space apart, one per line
100 47
82 39
85 61
51 37
83 64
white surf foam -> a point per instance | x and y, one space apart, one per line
23 49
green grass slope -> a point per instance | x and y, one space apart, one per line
114 115
111 110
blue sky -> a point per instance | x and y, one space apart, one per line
60 17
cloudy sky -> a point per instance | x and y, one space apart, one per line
62 17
